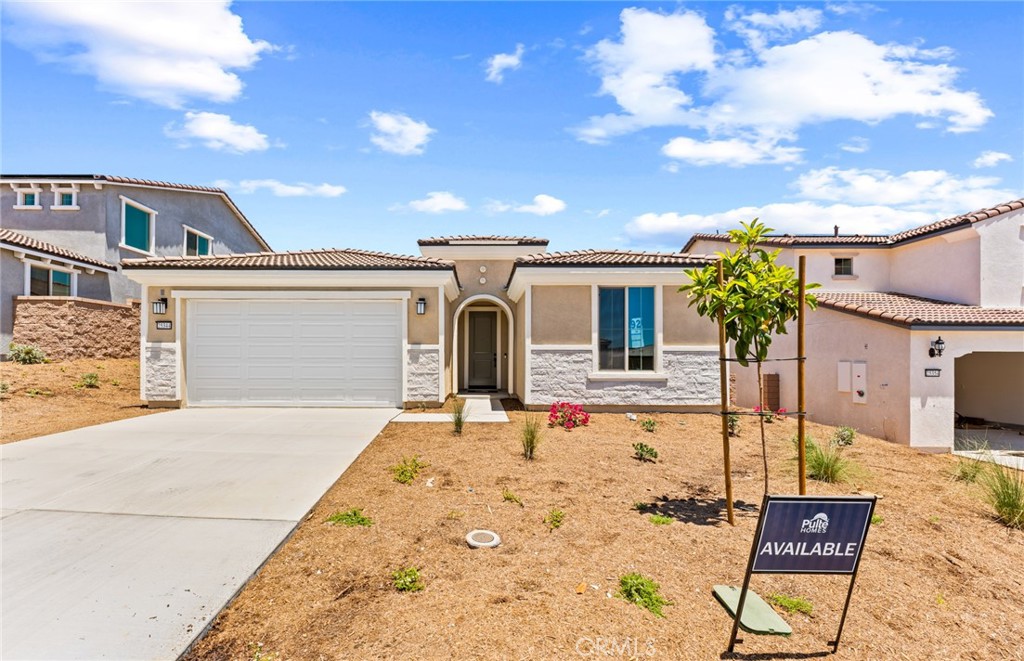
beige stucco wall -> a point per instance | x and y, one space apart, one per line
990 385
496 277
561 315
682 324
423 327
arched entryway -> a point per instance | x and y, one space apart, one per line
477 330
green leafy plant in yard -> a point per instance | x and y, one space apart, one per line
644 452
554 519
455 515
825 463
88 380
734 424
660 519
791 604
407 580
510 497
649 424
115 382
406 470
458 415
644 592
1004 491
530 434
844 436
25 354
877 520
351 518
4 387
259 654
642 506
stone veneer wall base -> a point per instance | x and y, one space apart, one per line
161 372
423 375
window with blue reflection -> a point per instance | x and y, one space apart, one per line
626 328
611 329
640 331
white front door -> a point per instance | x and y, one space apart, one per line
294 353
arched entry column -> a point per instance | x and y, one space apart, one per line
456 330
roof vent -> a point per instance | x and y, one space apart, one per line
835 230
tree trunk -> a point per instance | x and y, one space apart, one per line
760 418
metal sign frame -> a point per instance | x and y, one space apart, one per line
765 502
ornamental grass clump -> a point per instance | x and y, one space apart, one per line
825 463
458 415
530 434
567 415
1004 491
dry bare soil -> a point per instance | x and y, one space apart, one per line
43 399
939 580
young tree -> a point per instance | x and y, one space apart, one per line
756 298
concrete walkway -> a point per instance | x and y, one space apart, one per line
479 408
124 540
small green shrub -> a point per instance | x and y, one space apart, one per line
351 518
877 520
259 655
25 354
825 464
406 471
649 424
458 415
1004 491
641 506
510 497
968 470
115 382
554 519
530 432
660 519
792 604
734 424
4 387
644 452
642 591
88 380
844 436
407 580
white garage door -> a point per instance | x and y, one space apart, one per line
294 353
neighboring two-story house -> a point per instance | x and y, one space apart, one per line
914 332
65 236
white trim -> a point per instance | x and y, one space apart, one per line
27 207
152 225
243 278
50 268
180 372
413 346
659 330
293 294
595 317
528 347
125 246
617 375
20 253
478 251
403 307
561 347
441 394
455 335
184 240
72 207
595 320
691 348
65 189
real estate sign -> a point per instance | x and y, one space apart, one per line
806 535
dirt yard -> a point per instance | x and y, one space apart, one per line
43 399
939 579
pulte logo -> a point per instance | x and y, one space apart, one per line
816 524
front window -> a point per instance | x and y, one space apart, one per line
47 282
626 328
137 226
28 199
65 198
196 244
844 266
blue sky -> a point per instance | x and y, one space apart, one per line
592 124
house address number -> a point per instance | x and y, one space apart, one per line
163 325
932 371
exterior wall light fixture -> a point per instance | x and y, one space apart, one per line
421 306
938 346
160 306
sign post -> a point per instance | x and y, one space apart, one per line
808 535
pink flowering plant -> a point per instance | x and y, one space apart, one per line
568 415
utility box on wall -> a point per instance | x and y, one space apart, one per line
771 393
859 382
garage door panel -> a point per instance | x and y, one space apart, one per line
302 352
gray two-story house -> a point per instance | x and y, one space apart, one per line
65 235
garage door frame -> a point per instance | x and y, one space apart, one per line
400 297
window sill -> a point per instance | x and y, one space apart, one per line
74 207
844 277
28 207
627 376
125 246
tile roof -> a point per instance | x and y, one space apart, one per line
331 259
907 310
131 181
613 258
784 240
19 240
468 238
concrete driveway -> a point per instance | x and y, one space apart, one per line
123 540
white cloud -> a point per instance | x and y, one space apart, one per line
602 213
435 202
934 191
768 91
501 62
543 205
398 133
281 189
497 206
988 159
856 145
733 152
162 52
218 132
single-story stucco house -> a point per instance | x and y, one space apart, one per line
605 328
914 331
